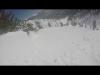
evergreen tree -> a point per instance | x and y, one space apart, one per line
61 24
49 24
94 24
8 22
73 23
38 25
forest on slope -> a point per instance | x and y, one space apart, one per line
9 22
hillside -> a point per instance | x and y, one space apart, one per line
51 46
83 18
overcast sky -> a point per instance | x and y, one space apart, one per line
23 13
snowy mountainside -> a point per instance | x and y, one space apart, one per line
58 41
51 46
48 22
82 18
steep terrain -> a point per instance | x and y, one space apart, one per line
60 39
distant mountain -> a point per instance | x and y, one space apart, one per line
46 14
75 16
62 13
53 14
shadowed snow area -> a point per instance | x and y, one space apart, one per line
51 46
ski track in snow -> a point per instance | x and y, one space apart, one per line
51 46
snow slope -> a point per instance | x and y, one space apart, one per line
51 46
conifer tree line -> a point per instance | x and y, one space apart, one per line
83 16
10 23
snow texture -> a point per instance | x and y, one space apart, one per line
51 46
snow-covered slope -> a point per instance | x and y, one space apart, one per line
51 46
79 16
45 22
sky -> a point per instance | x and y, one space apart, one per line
23 14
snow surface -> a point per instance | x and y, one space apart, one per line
51 46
